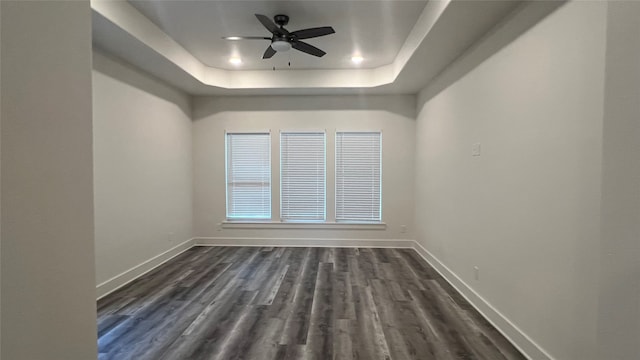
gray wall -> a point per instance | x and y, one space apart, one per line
48 294
619 301
142 167
394 115
527 210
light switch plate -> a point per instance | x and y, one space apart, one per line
475 149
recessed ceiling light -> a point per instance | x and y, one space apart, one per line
235 60
357 59
232 38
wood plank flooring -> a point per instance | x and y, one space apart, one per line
294 303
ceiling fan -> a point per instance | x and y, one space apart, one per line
283 40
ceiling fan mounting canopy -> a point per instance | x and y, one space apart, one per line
281 20
283 40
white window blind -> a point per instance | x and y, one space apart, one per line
248 176
302 176
358 168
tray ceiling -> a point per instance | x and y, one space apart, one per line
373 29
405 44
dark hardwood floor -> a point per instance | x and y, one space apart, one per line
294 303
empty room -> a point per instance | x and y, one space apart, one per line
360 179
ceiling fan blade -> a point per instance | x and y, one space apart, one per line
313 32
233 38
306 48
270 25
268 53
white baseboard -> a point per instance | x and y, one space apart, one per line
297 242
135 272
510 331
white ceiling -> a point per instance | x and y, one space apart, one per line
373 29
179 42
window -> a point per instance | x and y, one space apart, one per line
248 176
302 176
358 167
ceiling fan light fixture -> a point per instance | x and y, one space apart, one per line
281 45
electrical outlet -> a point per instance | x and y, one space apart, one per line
403 228
476 272
170 237
219 227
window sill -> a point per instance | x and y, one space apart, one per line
302 225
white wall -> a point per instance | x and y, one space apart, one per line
527 211
142 167
48 294
394 115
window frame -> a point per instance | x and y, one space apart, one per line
230 219
324 215
358 221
